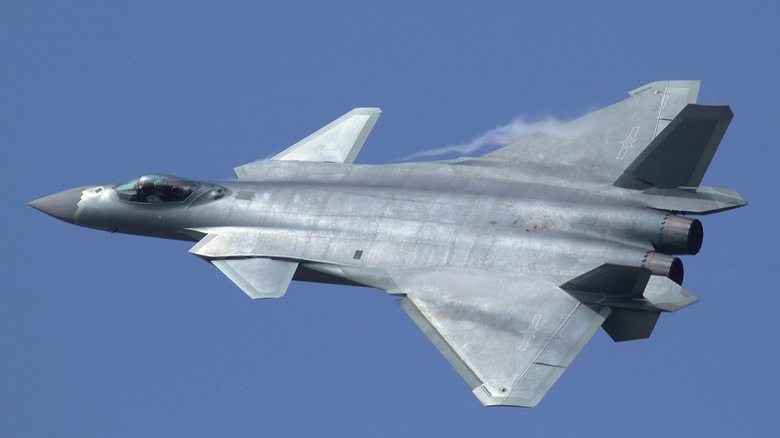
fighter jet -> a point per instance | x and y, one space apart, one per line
509 262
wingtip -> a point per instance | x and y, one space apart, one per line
366 110
503 398
693 84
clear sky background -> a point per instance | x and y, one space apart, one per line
112 335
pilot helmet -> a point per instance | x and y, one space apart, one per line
145 183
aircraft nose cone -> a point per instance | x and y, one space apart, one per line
60 205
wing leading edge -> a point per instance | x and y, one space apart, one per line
509 338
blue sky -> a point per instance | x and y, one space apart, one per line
111 335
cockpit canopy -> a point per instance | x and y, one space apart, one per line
156 189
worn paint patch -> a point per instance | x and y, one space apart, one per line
245 196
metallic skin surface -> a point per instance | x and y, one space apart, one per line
61 205
508 262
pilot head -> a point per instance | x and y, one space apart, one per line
144 186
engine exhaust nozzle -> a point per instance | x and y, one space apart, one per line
680 235
666 265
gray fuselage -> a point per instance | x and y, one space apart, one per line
417 215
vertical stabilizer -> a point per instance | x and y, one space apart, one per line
605 141
680 155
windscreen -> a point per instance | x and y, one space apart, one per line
156 189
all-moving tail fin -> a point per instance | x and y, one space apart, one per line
337 142
680 155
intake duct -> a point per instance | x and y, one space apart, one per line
680 235
666 265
